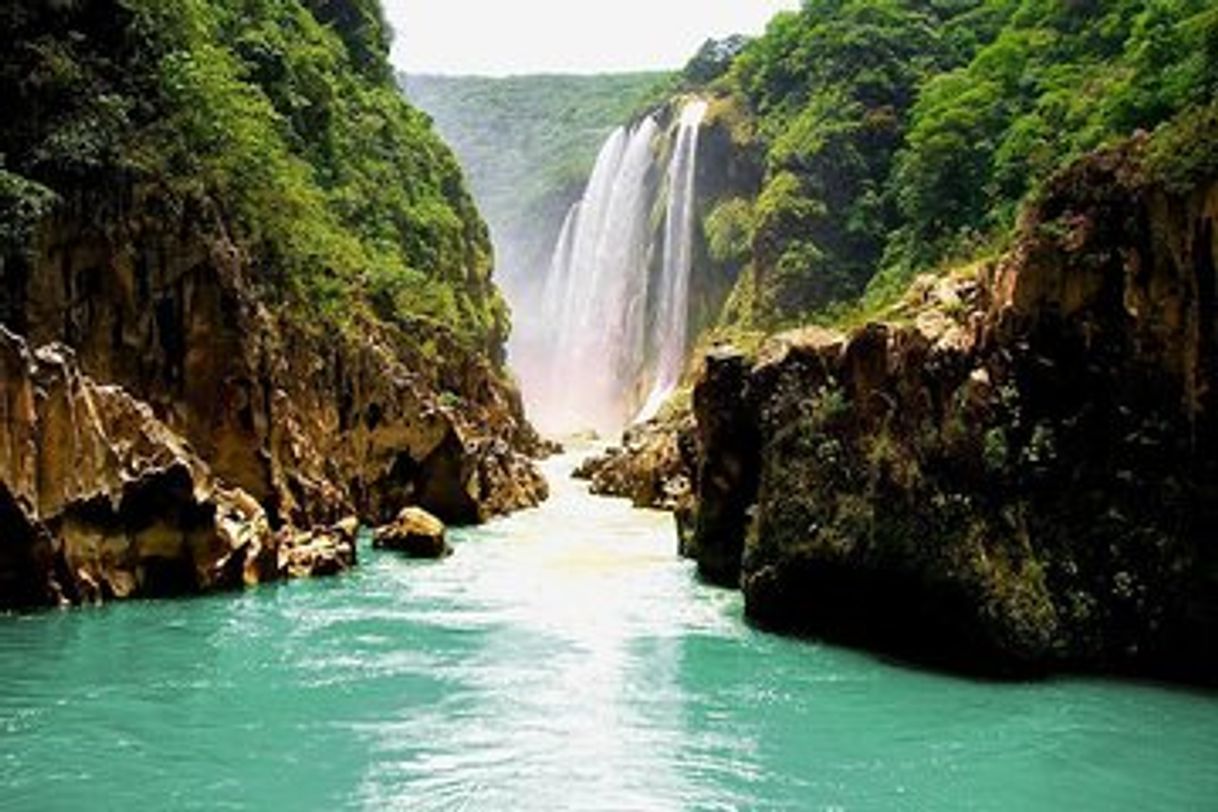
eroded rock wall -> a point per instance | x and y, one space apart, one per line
101 500
309 423
315 421
1018 472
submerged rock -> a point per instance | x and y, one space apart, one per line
414 532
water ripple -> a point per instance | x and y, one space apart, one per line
562 659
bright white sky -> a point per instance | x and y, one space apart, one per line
499 37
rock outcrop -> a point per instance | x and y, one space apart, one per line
1016 472
309 427
414 532
654 467
101 500
727 474
316 425
320 551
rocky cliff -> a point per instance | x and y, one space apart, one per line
1012 472
213 378
102 500
313 420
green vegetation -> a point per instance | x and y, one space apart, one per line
529 142
903 135
281 116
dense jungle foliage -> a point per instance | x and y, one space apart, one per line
281 114
901 135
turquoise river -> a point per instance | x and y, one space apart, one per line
563 659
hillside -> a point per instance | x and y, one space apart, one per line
925 157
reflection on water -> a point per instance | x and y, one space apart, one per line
563 659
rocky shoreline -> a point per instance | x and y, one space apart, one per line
169 433
1012 474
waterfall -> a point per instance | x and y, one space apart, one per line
604 330
672 306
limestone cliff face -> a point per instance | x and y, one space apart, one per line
313 421
101 500
312 424
1020 473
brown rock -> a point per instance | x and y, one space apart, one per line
320 551
315 422
101 500
654 467
414 532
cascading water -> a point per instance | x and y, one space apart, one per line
672 309
604 333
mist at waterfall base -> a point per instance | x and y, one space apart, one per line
599 341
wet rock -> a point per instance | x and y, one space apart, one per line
654 467
101 500
414 532
321 551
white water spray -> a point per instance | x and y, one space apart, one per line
672 311
594 353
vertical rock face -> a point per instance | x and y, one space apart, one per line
210 386
101 500
314 424
727 477
1019 474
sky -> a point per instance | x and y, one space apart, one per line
502 37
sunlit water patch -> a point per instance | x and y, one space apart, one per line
562 659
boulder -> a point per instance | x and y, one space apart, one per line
414 532
320 551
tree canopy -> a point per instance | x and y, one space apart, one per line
282 112
897 134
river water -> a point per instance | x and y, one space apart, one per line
562 659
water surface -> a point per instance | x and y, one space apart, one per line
563 659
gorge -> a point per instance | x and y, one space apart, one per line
894 324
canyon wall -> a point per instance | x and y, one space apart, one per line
233 329
1011 472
